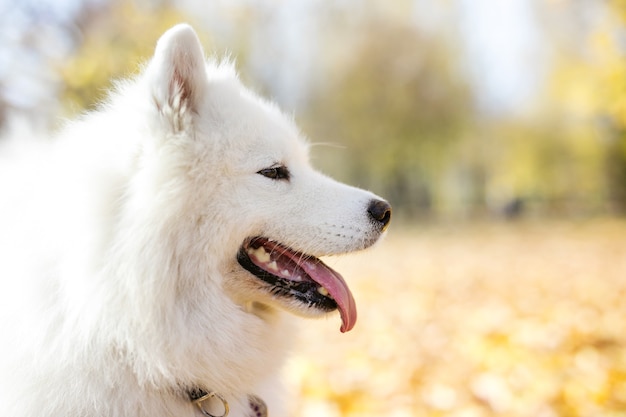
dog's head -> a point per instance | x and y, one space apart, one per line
261 215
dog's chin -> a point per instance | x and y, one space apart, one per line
297 282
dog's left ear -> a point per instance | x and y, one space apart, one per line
177 74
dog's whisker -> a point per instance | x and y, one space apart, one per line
328 144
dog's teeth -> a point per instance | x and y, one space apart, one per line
273 266
323 291
260 254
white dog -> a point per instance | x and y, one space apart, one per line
148 251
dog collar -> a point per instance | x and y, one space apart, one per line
203 399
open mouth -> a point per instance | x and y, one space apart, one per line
300 276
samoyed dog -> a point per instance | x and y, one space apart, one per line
148 252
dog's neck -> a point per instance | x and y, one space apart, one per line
207 401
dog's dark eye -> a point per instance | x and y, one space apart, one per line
275 173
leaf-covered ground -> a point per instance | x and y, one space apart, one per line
511 320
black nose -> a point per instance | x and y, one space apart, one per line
380 212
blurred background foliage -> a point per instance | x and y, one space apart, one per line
113 44
402 92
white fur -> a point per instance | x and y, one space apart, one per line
119 285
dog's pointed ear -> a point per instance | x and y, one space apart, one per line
177 74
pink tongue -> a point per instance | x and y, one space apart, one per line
337 288
324 276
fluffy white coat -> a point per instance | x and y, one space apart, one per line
119 284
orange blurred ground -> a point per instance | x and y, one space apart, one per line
524 319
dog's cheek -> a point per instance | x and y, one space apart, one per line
239 285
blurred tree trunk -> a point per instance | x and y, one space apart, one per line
616 173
